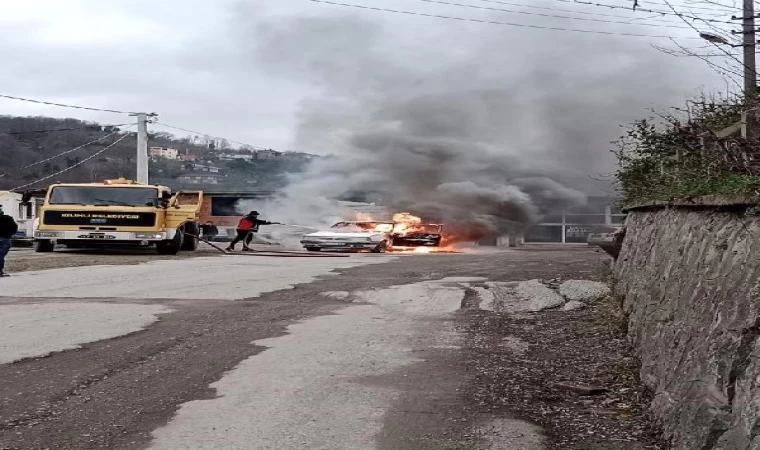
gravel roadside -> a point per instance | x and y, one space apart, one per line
532 366
25 259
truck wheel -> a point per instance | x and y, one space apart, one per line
172 246
189 243
313 249
381 248
43 246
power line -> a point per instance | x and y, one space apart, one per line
588 13
16 133
64 105
724 71
715 7
713 11
492 22
255 147
653 11
713 43
68 151
441 2
707 55
74 165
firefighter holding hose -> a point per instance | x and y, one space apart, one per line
248 225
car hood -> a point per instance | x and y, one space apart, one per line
333 234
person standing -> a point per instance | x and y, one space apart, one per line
8 228
246 227
210 231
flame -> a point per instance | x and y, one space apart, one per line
403 224
406 218
364 217
406 223
429 250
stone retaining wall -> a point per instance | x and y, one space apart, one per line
690 278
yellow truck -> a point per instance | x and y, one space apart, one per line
117 213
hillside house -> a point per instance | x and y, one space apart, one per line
267 154
234 156
163 152
188 157
201 178
206 168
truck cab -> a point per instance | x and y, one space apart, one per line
116 213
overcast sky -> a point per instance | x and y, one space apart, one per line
199 63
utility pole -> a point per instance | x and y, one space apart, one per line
749 119
748 124
142 148
750 70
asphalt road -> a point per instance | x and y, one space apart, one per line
258 353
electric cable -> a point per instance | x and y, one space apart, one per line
493 22
74 165
63 105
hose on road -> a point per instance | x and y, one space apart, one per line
274 253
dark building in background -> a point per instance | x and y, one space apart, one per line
574 224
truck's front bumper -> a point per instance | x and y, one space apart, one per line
103 237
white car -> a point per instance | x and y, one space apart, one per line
372 236
603 237
610 240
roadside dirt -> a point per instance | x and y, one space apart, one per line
518 359
25 259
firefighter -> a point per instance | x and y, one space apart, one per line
248 225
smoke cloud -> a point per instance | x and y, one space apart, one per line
459 124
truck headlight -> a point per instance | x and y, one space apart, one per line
47 234
149 236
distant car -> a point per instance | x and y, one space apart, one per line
603 236
377 237
609 239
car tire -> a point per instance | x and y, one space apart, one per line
313 249
381 248
190 243
170 247
44 246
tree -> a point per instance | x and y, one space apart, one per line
679 154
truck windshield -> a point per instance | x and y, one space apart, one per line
102 196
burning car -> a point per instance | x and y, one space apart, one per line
403 232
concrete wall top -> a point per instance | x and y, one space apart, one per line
704 201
